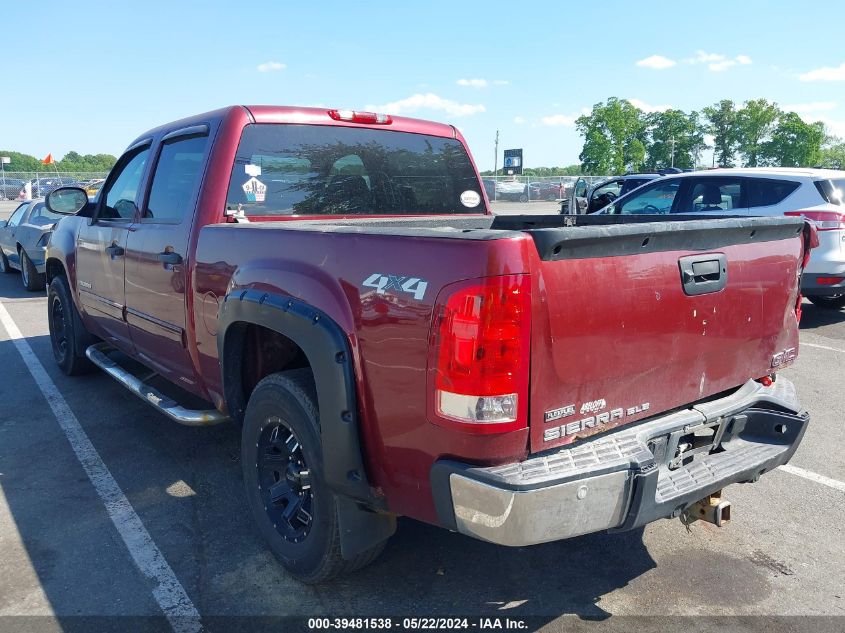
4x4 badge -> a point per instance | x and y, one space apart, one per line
383 283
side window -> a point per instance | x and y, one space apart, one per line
580 188
651 200
763 192
176 179
711 194
120 196
604 195
15 219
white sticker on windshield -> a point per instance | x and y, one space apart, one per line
470 199
252 170
255 190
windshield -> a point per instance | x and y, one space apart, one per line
283 169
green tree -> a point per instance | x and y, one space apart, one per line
832 154
674 132
614 137
793 143
755 122
722 125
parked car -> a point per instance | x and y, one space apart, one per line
388 347
815 194
23 242
586 198
93 186
42 186
512 190
545 191
10 188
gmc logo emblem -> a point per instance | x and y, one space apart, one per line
785 357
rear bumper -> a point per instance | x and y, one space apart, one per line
811 287
621 480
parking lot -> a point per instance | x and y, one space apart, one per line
62 556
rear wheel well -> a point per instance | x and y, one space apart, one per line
250 353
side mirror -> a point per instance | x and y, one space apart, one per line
66 200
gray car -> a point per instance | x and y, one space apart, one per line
23 241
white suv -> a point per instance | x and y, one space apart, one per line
816 194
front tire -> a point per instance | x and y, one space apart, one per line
281 458
68 335
4 264
31 278
835 302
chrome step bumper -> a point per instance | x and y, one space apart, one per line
98 354
625 478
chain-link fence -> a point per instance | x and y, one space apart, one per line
13 183
532 188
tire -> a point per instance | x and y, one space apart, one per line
4 264
835 302
523 198
68 336
31 278
281 460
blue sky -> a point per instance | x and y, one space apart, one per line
96 74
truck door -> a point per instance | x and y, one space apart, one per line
157 255
101 246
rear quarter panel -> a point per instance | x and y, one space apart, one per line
388 333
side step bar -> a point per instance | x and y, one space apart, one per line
98 354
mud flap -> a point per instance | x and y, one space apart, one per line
361 530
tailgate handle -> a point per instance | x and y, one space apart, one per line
701 274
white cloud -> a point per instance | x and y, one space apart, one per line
717 62
268 67
826 73
519 120
657 62
806 108
647 107
472 83
427 101
559 120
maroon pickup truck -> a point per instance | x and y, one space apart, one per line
333 282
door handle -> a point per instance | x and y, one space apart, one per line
115 251
702 274
169 257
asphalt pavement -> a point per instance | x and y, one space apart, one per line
63 556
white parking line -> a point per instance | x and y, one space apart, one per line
168 592
819 479
832 349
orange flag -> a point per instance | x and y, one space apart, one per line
48 160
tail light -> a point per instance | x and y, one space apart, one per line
823 220
479 365
360 117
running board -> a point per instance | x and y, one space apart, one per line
98 354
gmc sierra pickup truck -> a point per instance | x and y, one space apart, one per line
333 283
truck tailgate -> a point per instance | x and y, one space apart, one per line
638 319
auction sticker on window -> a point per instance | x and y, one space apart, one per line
470 198
255 190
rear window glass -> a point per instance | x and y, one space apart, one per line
283 169
41 215
833 191
763 192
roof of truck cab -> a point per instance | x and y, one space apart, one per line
303 115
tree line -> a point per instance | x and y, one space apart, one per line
72 161
620 137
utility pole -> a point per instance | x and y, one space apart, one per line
495 164
672 140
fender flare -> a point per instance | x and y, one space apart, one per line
327 348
